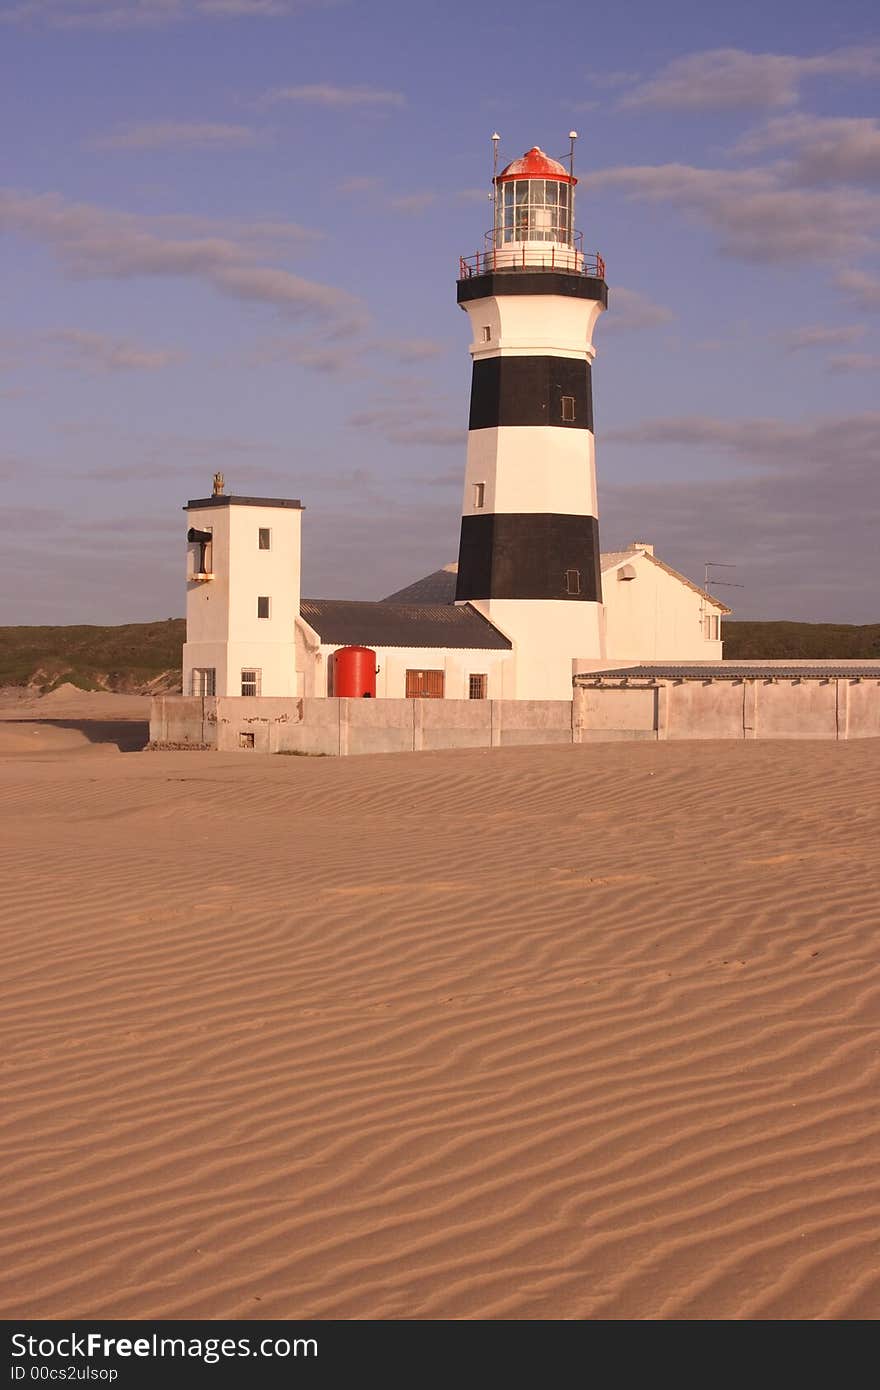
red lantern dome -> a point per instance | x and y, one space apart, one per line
535 164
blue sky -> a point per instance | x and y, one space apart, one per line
231 232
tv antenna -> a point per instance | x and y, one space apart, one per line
718 583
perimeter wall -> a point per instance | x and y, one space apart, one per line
666 709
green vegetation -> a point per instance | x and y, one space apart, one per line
135 658
138 658
800 641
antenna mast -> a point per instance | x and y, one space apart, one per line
495 138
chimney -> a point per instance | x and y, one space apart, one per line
647 546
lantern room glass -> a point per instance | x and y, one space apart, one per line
533 210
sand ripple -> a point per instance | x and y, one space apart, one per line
532 1033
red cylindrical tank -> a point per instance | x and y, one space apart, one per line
354 672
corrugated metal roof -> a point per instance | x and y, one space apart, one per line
438 587
736 671
383 624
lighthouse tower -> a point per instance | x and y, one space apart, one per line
529 552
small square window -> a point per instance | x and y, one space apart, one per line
250 682
568 408
572 581
477 687
487 334
204 680
263 606
479 496
265 538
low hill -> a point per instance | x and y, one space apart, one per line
134 659
781 641
139 658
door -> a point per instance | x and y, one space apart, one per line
425 685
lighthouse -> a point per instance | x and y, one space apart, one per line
529 549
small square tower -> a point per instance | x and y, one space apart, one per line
242 594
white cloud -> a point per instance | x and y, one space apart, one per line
818 335
855 362
800 518
96 242
139 14
824 442
827 149
629 310
731 78
756 216
102 352
415 422
413 203
859 288
327 94
177 135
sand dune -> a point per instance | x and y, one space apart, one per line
576 1032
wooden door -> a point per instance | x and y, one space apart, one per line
425 685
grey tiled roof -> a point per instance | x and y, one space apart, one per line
737 671
350 622
438 587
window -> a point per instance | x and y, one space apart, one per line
425 685
712 627
477 687
265 538
479 495
204 680
250 681
487 334
568 408
572 581
533 210
263 606
245 740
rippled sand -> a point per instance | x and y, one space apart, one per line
525 1033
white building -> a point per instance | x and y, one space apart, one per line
531 601
242 595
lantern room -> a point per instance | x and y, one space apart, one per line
533 224
534 201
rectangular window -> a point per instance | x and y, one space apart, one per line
204 680
479 495
568 408
265 538
250 681
477 687
263 606
572 581
425 685
245 740
712 627
487 334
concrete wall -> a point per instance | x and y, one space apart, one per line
355 726
839 708
776 707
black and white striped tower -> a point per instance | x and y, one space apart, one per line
529 552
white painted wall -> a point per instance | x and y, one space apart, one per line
456 663
222 627
532 469
548 635
522 325
655 616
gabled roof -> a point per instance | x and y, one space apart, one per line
350 622
612 558
438 587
